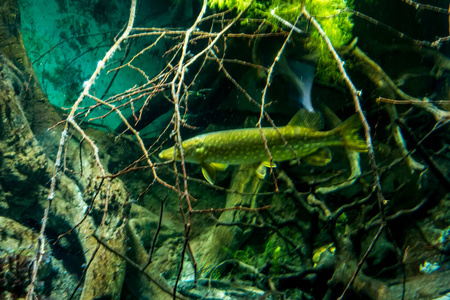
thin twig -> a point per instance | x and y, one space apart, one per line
220 210
434 168
398 214
155 238
399 34
157 282
85 269
176 97
363 259
355 94
85 215
263 100
70 120
427 7
370 151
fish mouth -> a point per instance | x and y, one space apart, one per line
166 154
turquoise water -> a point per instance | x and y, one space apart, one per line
118 221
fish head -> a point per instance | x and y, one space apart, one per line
168 154
193 151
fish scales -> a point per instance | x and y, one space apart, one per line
246 146
216 150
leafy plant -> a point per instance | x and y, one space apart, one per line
333 16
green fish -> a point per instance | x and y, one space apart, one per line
301 139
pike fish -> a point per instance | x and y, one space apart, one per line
301 139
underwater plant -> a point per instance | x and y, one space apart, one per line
15 275
127 224
333 16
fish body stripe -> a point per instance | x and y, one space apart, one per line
246 146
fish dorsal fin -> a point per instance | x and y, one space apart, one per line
209 172
305 118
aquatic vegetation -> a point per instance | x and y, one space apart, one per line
131 223
15 275
333 16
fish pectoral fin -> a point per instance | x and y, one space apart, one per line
267 164
319 158
209 172
261 171
219 167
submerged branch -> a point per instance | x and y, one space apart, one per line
70 120
434 168
371 153
355 94
162 285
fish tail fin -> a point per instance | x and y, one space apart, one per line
349 134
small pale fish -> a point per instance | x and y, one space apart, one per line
301 76
216 150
